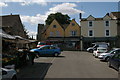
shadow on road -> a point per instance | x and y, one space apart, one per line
52 56
33 72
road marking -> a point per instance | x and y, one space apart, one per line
53 60
43 75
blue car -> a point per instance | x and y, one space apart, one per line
47 50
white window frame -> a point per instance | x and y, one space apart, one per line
74 31
92 24
105 23
92 33
105 33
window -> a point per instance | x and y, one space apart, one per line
54 26
106 23
43 48
73 33
116 56
107 33
57 33
52 47
90 24
73 24
51 33
90 33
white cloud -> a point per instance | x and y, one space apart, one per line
28 2
34 19
65 8
2 4
32 33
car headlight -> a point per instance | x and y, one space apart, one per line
31 51
103 55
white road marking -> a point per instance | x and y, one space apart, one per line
42 76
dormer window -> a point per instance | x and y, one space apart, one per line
54 26
73 24
90 23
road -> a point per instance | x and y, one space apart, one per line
70 64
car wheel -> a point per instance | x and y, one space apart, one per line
56 54
109 64
14 77
37 54
119 69
95 56
91 50
107 59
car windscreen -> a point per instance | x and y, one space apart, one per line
41 44
102 50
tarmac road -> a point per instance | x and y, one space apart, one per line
69 65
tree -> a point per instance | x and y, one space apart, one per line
62 19
25 31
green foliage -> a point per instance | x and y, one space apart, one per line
62 19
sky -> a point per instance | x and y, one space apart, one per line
34 12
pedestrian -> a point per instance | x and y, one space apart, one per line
32 56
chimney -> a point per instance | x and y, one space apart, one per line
80 15
107 14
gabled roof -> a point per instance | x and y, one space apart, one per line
64 26
116 14
13 24
10 20
112 14
90 16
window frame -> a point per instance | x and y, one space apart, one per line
73 33
89 24
89 33
106 23
106 33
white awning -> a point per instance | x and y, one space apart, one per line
5 35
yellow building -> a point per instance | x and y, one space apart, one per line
54 30
68 34
73 29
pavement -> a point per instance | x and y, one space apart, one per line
69 65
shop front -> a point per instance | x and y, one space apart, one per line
65 43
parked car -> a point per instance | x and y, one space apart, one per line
9 74
41 44
114 61
106 56
47 50
96 45
99 50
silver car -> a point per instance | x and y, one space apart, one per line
9 74
106 56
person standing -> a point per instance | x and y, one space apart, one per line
32 56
